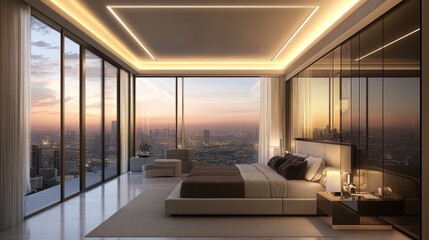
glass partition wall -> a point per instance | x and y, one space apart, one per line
366 92
74 117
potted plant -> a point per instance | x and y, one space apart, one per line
144 149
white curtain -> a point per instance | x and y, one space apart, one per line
14 120
124 118
272 119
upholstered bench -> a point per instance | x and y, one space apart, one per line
163 168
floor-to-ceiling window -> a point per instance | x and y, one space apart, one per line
45 116
221 119
110 120
93 118
216 117
155 114
73 95
71 117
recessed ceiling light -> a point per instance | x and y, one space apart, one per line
110 7
319 20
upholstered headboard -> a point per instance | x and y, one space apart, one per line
335 155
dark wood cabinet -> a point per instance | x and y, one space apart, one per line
357 213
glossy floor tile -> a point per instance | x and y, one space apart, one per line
76 217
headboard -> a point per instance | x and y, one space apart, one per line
335 154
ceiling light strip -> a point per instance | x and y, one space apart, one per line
130 32
378 49
209 6
295 33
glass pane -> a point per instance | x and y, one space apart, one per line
319 99
335 95
319 108
93 78
222 119
155 115
346 92
45 117
402 126
71 117
110 120
180 115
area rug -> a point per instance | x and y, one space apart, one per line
144 217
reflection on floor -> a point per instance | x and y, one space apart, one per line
76 217
46 197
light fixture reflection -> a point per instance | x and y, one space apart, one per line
394 41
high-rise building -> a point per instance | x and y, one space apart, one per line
36 159
206 136
114 133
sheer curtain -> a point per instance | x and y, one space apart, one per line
15 112
272 120
124 85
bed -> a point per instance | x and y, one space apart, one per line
254 189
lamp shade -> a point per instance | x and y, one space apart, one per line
333 181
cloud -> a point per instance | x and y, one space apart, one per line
43 97
43 44
43 71
71 55
37 56
40 27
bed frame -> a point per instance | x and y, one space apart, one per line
335 155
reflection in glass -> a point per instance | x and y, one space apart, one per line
156 114
45 162
110 120
93 88
380 107
335 104
402 126
221 119
346 92
71 117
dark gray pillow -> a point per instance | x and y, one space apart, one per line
275 162
293 169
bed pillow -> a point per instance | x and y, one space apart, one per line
324 172
300 155
313 166
293 168
275 162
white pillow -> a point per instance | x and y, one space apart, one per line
297 154
313 166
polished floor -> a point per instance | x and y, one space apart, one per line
76 217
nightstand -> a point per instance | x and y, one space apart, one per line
357 213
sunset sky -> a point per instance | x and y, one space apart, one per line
209 103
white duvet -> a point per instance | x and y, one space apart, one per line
260 181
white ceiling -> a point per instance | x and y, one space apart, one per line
163 37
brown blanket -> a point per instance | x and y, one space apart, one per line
213 182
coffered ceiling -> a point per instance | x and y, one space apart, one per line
172 35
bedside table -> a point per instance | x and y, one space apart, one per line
357 214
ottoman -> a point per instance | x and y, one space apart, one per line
163 168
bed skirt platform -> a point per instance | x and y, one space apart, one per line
174 205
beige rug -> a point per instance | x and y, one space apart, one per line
144 217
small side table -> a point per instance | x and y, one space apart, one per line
357 214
